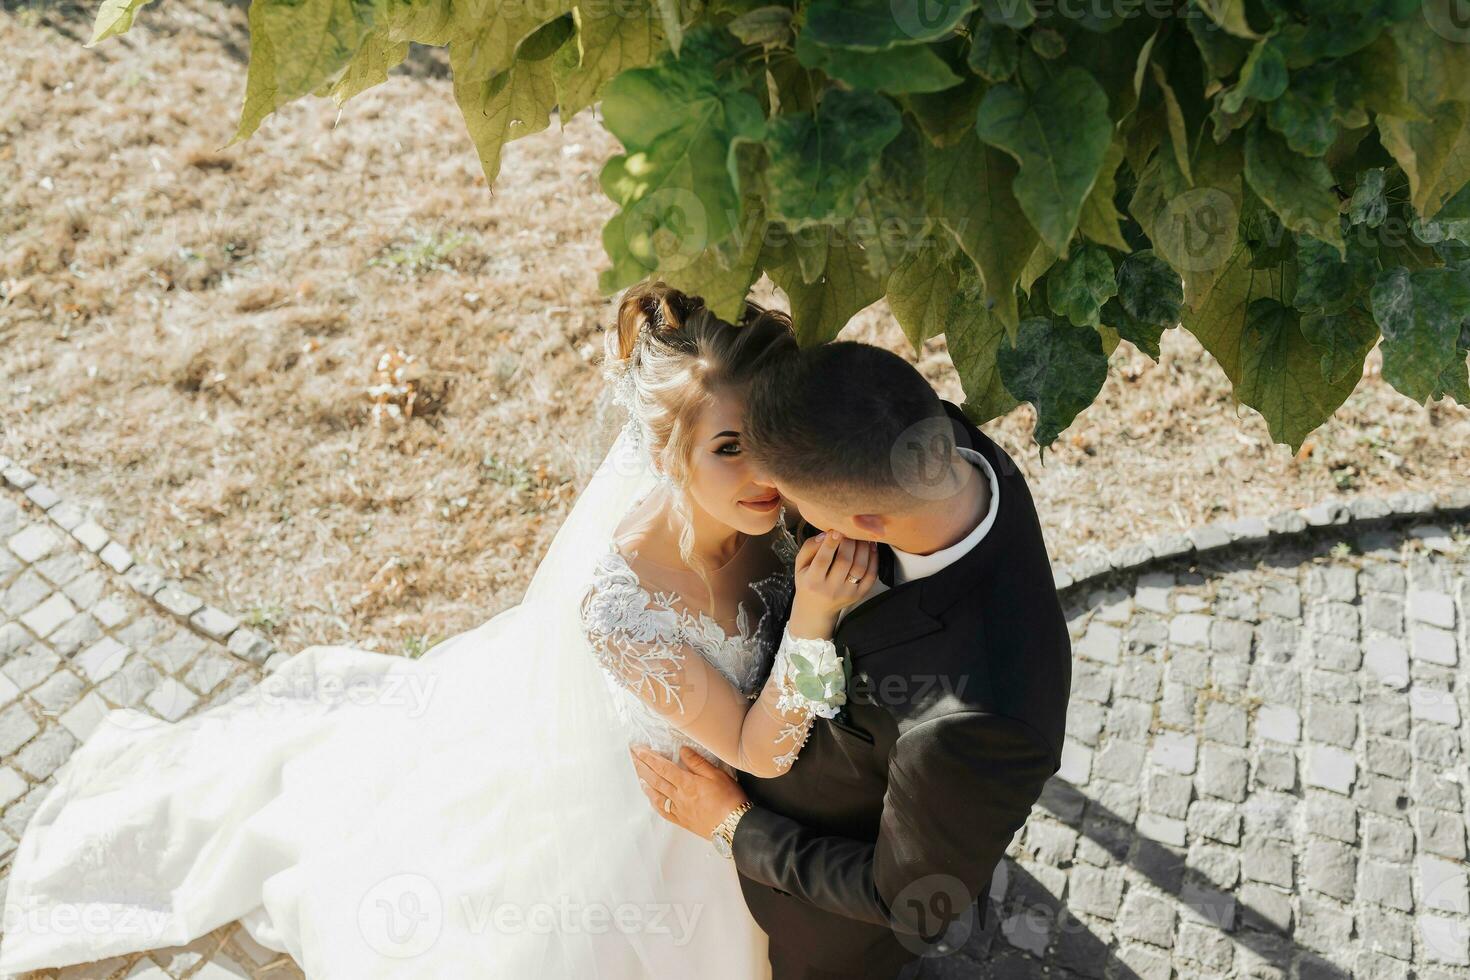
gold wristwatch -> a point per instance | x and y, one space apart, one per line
724 835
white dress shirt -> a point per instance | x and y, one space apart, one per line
908 566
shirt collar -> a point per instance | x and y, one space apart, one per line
909 566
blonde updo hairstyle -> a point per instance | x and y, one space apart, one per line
670 354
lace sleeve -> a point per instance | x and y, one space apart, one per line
649 649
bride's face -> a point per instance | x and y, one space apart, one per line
722 480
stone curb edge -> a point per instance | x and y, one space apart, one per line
1213 538
1223 536
149 582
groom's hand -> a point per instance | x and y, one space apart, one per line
701 796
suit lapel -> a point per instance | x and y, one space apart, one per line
890 617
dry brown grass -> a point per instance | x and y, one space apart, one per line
189 336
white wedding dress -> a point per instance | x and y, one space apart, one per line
471 813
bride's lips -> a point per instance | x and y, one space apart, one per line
763 505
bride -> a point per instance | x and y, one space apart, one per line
475 812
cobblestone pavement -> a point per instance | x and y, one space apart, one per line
1266 771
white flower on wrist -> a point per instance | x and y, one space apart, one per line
812 674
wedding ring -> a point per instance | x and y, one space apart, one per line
854 579
668 805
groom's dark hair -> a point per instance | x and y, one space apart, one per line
830 419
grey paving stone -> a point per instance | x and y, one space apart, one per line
60 568
116 557
1267 860
178 601
1387 884
1223 772
1264 907
1225 723
17 727
1331 867
214 622
58 692
1330 767
1436 646
1442 832
24 593
1332 723
33 543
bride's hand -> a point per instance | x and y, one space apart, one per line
832 571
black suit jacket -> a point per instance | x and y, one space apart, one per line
896 813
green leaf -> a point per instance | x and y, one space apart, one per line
1420 314
1223 53
1150 291
1230 15
1275 360
1059 136
1368 205
1344 339
994 52
725 270
512 103
1194 230
1297 188
1178 137
1015 14
968 188
873 25
1079 285
1434 149
770 26
294 48
1304 113
370 66
946 117
681 121
922 290
1047 43
1259 343
1327 283
888 213
1099 218
820 310
973 336
817 164
1058 367
897 70
609 42
1263 77
114 17
1120 324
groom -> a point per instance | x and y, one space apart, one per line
894 816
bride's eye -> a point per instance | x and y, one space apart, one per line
728 449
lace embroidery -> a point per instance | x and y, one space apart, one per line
623 620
